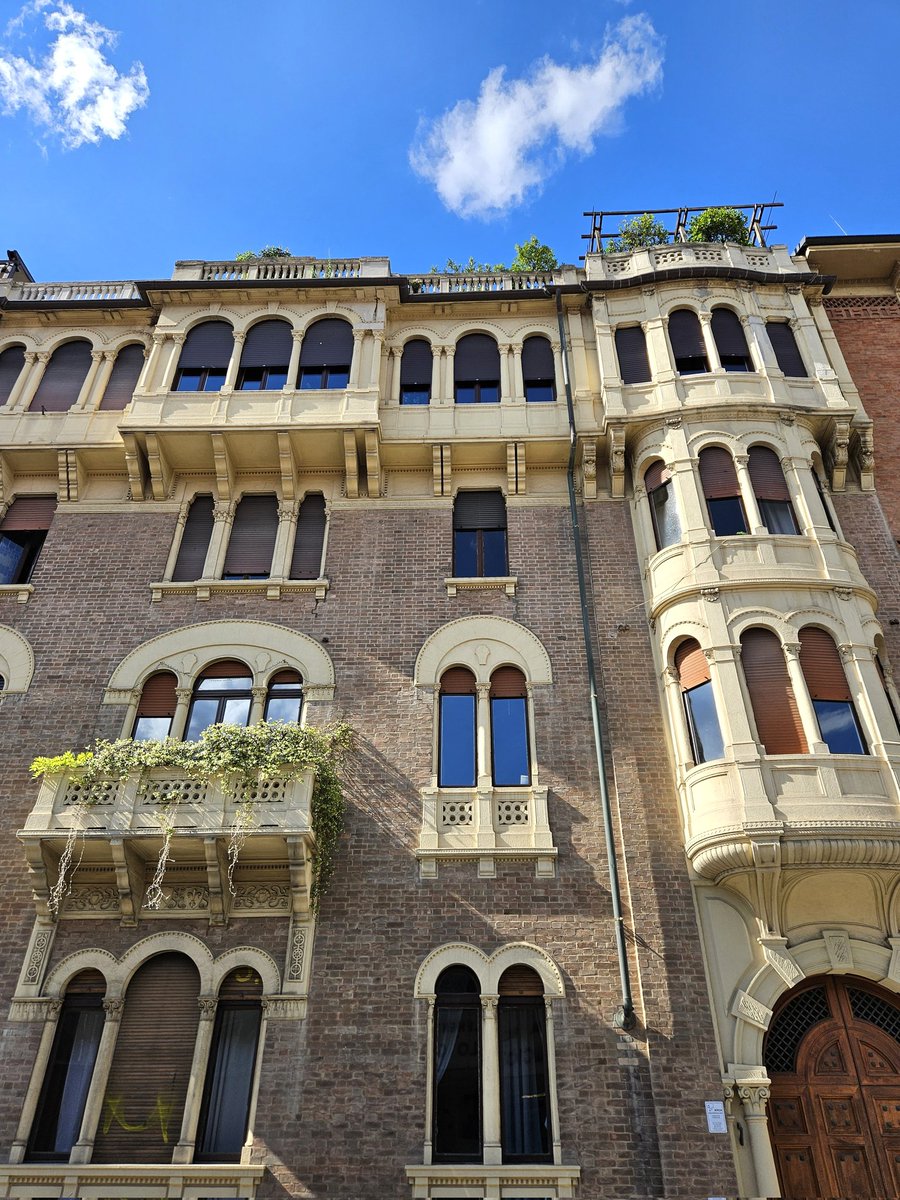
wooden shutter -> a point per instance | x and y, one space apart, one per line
479 510
785 346
208 344
729 334
537 358
242 984
508 683
252 540
123 380
416 363
822 666
691 665
291 678
306 561
327 343
158 697
520 981
458 681
685 334
771 695
268 344
226 668
766 474
29 513
144 1104
717 473
66 372
631 350
656 475
12 360
195 540
476 358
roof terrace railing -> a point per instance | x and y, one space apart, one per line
598 236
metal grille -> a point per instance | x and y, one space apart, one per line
866 1007
791 1026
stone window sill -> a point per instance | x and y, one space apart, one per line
21 591
485 583
272 589
493 1183
188 1182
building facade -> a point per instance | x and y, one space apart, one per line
584 559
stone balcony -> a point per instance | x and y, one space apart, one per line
286 406
301 269
677 256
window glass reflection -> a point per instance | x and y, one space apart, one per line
456 767
703 722
509 742
838 726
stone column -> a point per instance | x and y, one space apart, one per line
505 393
436 358
869 696
377 360
804 703
182 704
184 1151
709 343
257 704
483 765
293 382
35 1087
87 386
152 368
396 359
93 1108
753 1099
33 382
448 389
745 483
552 1098
679 719
558 372
234 363
518 379
177 340
223 515
429 1081
180 522
95 399
284 541
490 1081
356 363
761 354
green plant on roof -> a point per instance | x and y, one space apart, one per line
719 225
265 252
637 233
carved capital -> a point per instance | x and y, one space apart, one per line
489 1007
239 337
207 1006
754 1098
843 593
179 338
30 357
791 651
673 422
223 510
97 356
710 594
44 357
113 1009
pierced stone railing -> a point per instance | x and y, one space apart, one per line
485 824
275 269
99 290
771 259
443 284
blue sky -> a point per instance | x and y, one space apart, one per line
133 133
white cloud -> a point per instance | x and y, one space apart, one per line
486 156
73 90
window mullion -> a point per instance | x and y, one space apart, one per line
555 1135
223 519
428 1153
484 761
490 1082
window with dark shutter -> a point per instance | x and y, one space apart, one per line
63 378
22 534
222 696
195 540
12 360
204 359
306 560
456 734
524 1074
778 723
126 371
326 354
156 708
686 339
284 697
509 728
699 702
456 1116
631 350
830 692
787 353
728 334
265 357
252 540
416 366
722 492
476 370
229 1075
771 491
144 1104
538 369
479 535
663 509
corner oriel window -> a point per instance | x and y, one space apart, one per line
771 491
221 696
686 338
631 351
415 372
479 535
663 510
699 702
326 354
22 534
830 693
204 359
476 370
722 492
728 333
265 357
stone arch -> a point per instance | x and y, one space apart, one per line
83 960
248 956
488 967
16 661
482 644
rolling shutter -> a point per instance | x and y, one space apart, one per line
717 473
656 475
158 697
208 344
822 666
631 350
29 513
479 510
267 344
226 668
476 358
766 474
144 1104
508 683
785 346
124 377
458 681
62 380
327 343
520 981
691 665
771 695
306 561
685 334
537 359
12 360
416 363
252 540
195 540
728 334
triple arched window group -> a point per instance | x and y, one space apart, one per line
66 372
476 370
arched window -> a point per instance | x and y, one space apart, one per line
830 695
222 696
734 354
775 711
265 357
722 492
663 510
252 540
699 702
195 540
156 708
63 378
456 1108
415 372
204 359
524 1076
456 734
284 697
57 1120
326 354
538 369
883 674
12 360
631 351
510 754
229 1073
771 491
686 338
479 535
22 534
126 371
786 350
476 370
309 541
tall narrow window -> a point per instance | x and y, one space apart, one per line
456 735
456 1107
663 510
229 1075
686 338
63 378
476 370
771 491
538 369
786 350
728 333
415 372
12 360
306 561
326 354
826 507
722 492
524 1076
60 1108
119 391
265 357
284 697
479 535
699 702
829 692
221 696
631 351
156 708
509 728
778 723
252 541
22 534
204 359
195 540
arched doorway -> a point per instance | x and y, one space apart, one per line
833 1055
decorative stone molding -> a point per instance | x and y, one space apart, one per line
840 952
488 967
487 583
548 1182
284 1008
41 1008
754 1097
261 897
135 1182
589 468
781 960
745 1008
114 1007
508 642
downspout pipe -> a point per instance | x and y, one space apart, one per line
624 1017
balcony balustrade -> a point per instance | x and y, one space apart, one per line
485 824
686 255
94 291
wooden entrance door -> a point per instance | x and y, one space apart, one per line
833 1055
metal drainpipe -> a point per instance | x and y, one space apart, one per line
624 1017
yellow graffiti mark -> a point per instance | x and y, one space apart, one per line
160 1113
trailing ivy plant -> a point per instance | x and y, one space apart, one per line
719 225
236 756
